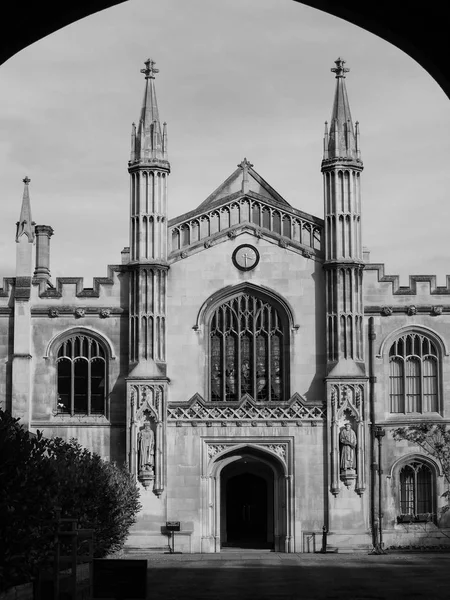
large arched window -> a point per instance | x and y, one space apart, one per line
81 366
248 350
416 491
413 375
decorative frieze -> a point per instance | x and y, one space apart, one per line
246 411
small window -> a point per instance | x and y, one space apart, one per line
81 366
416 493
413 375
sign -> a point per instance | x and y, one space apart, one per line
119 579
173 525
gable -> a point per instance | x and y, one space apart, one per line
237 184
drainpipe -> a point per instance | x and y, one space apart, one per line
376 432
373 470
379 434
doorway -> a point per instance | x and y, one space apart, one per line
247 487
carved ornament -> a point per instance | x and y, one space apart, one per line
247 411
412 310
105 313
80 312
53 313
437 310
386 311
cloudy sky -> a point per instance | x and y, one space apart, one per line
241 78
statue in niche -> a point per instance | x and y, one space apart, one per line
146 449
347 439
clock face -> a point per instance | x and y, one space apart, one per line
245 257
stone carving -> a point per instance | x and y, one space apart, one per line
184 254
232 234
53 313
207 244
347 439
386 311
80 312
437 310
246 411
348 446
105 313
412 310
214 449
146 454
282 243
307 254
279 449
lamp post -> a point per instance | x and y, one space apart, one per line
379 434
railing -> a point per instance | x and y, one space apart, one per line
70 574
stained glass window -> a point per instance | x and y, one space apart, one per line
81 365
248 337
413 375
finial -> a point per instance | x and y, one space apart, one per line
340 70
149 70
26 180
245 164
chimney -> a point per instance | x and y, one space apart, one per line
43 234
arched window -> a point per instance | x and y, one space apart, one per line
413 375
248 350
81 367
416 491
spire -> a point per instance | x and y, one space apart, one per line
341 142
148 142
25 224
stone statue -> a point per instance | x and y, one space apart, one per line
146 446
347 438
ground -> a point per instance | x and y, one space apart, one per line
267 575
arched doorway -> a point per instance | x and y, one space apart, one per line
248 496
247 513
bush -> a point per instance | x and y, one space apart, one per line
39 474
27 481
101 495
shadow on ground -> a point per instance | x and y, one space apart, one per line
300 576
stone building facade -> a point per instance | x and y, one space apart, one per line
245 359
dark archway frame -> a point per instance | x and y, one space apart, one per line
422 34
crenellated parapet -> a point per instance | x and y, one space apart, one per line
58 290
414 280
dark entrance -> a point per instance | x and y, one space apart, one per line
246 511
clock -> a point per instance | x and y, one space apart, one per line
245 257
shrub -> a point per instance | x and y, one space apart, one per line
27 481
101 495
37 475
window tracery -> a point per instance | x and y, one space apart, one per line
416 491
247 341
413 375
81 376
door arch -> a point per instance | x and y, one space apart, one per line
233 519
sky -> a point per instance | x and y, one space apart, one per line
241 78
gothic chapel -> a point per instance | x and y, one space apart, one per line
245 359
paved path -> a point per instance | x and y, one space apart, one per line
260 576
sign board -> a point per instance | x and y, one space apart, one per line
119 579
173 525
